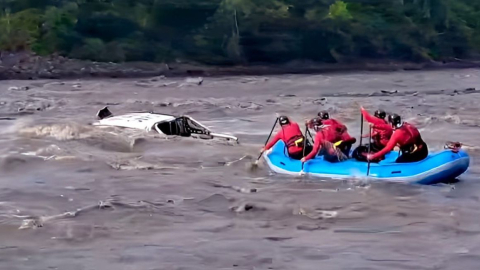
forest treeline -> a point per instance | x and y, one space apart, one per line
223 32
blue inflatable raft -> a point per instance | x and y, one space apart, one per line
437 167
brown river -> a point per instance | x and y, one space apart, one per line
76 197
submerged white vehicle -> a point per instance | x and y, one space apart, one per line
165 124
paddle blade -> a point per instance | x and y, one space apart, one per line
253 166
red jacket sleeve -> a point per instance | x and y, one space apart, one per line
372 119
275 139
316 146
383 126
390 145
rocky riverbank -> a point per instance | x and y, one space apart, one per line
27 66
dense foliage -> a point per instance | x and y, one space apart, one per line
243 31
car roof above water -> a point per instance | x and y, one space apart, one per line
145 121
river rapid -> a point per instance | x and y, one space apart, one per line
77 197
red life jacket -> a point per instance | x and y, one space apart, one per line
410 139
291 135
334 131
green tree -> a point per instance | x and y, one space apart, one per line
243 31
19 31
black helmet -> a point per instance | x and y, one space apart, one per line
317 121
283 120
395 120
324 115
380 114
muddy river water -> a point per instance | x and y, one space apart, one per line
74 197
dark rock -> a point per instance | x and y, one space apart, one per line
277 238
164 104
313 227
389 91
287 95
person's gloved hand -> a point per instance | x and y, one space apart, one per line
266 151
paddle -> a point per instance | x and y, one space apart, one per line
304 147
274 125
369 147
310 134
361 128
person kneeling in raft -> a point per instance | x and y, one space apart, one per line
338 132
380 136
293 138
332 140
407 138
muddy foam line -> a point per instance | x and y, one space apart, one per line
33 221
